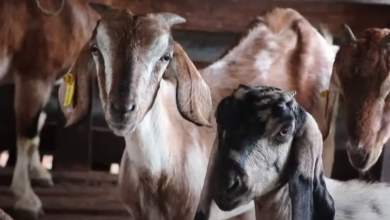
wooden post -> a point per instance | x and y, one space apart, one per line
385 171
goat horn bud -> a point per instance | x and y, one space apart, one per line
171 18
348 34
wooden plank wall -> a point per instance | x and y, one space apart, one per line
234 16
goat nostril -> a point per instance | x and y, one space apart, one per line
234 184
122 108
132 107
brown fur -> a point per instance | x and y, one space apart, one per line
360 75
41 49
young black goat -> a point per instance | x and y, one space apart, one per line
268 149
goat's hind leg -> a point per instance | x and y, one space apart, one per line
31 95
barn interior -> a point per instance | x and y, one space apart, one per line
84 159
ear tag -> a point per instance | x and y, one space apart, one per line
324 94
69 81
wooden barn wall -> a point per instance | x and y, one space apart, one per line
234 16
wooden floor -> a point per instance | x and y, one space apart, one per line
75 196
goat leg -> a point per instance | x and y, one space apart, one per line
31 95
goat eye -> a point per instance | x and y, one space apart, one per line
284 132
94 49
166 57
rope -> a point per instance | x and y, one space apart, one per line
50 13
4 216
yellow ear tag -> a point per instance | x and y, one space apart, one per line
69 81
324 94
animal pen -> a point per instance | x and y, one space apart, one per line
83 155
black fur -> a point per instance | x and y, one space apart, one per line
310 198
323 202
200 216
31 130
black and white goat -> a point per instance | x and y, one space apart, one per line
268 149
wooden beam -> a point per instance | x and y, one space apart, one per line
234 16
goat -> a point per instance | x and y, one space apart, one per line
268 149
363 62
153 95
35 51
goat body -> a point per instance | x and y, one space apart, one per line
35 50
354 200
273 156
153 95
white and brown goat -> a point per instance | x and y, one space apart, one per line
35 51
268 149
361 76
153 95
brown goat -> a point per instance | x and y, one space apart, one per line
36 50
153 95
361 75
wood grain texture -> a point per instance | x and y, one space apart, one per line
234 16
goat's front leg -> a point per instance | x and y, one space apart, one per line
31 95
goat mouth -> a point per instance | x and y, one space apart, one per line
363 161
227 204
121 129
359 159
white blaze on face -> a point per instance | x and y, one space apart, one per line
106 47
155 51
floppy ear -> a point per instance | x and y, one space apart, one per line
310 198
75 92
332 97
193 96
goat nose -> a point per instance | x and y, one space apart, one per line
358 158
122 107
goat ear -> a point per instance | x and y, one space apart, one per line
75 93
99 8
193 96
310 198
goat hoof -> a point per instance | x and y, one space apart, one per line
24 214
42 183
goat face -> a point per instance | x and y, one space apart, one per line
361 76
266 139
132 54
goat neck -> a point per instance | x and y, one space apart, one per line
166 158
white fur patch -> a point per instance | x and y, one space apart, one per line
4 66
196 168
20 181
147 145
106 48
358 200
